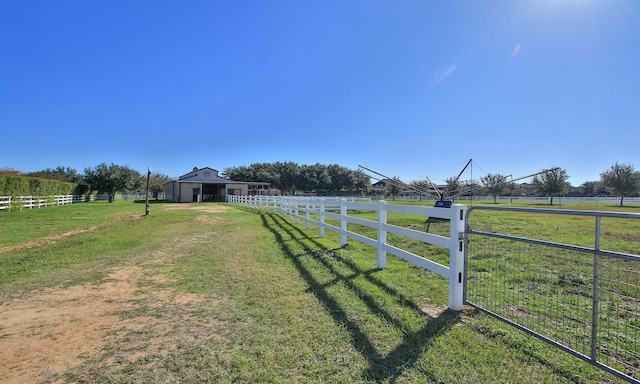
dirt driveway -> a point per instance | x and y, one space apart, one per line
106 325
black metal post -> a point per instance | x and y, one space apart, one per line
146 212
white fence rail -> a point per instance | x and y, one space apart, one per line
314 211
128 196
8 203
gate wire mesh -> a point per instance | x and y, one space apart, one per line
548 289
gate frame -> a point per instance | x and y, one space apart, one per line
597 253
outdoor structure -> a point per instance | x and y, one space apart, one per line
382 185
204 184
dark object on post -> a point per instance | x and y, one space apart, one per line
438 204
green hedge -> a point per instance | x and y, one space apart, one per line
33 186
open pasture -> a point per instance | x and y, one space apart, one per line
217 293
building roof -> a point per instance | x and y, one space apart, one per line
208 175
197 170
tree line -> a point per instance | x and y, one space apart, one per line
621 180
293 178
103 178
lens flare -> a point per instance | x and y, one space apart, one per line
442 73
514 53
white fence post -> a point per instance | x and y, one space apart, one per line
322 217
456 242
382 235
290 206
456 257
343 222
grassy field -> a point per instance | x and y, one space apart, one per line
236 295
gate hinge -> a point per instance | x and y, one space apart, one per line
461 235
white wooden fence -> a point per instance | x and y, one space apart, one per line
338 208
29 202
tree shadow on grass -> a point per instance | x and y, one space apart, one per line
381 367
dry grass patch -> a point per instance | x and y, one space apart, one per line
46 240
198 207
112 324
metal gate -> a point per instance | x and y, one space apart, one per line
570 278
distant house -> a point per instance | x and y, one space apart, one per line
380 185
204 184
528 189
383 184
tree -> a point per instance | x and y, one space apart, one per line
291 177
157 181
621 179
469 187
453 186
241 173
394 187
593 188
494 184
341 178
60 173
314 178
113 178
422 187
517 190
552 183
9 171
288 176
361 182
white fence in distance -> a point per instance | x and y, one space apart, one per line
557 200
30 202
301 208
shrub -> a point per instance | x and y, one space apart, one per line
11 185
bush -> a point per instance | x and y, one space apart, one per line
16 186
11 185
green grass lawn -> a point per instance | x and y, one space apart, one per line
276 302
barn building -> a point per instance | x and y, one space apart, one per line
205 185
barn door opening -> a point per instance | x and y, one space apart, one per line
210 192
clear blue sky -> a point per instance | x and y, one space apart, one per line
407 88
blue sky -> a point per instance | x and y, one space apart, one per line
407 88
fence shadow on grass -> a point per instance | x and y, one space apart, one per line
381 367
